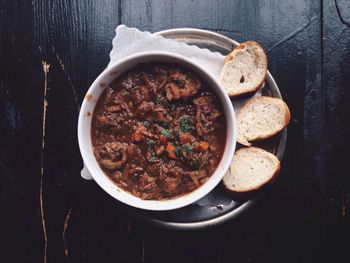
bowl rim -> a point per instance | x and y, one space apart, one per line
125 197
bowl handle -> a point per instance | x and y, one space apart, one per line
85 174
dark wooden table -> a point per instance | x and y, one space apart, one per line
51 51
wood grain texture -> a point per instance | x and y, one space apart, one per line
20 143
336 81
49 214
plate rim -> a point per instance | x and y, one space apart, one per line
220 219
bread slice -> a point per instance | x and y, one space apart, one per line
244 70
250 169
260 118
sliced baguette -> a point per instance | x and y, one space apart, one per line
250 169
244 70
261 118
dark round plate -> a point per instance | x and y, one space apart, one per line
218 206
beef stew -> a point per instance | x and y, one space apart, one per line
158 131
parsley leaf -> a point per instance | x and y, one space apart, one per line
185 124
177 150
151 143
176 135
187 147
166 133
152 159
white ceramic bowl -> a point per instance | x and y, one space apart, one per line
84 131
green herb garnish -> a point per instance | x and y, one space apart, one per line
166 133
158 100
176 135
152 159
151 143
177 150
187 147
185 124
153 156
195 163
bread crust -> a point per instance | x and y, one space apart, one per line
242 140
262 183
231 56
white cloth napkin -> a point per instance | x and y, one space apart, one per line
128 41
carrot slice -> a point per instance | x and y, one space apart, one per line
186 138
137 136
201 146
170 150
160 116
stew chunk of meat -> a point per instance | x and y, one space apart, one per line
181 86
158 131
